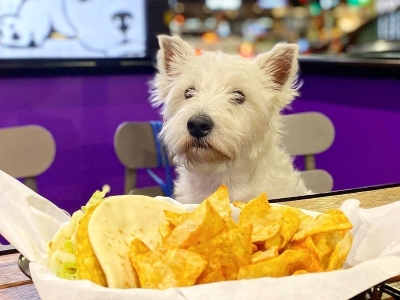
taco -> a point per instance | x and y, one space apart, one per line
94 245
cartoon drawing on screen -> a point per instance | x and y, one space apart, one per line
65 28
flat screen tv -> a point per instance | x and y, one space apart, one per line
79 36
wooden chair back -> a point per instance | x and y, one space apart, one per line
135 148
26 152
308 134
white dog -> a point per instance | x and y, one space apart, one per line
222 120
32 23
110 27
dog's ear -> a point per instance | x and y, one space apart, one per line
280 65
174 53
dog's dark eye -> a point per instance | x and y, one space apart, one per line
189 93
238 97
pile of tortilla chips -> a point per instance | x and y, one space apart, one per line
207 245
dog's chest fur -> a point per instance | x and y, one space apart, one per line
245 179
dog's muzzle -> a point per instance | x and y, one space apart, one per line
200 126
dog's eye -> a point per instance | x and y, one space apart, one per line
189 93
238 97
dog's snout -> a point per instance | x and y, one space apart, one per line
200 126
123 19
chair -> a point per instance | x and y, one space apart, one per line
25 153
307 134
136 149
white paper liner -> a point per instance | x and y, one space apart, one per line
28 221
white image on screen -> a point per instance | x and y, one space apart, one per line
76 28
9 6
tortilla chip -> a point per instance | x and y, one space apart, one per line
203 224
264 255
175 218
220 201
290 225
340 253
332 220
167 267
225 253
88 266
285 264
265 220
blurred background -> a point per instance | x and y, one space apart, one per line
248 27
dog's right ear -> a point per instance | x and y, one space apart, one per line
174 53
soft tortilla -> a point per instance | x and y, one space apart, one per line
115 223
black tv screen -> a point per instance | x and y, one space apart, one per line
115 35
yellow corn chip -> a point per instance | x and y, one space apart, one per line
165 230
290 225
285 264
86 260
308 244
264 255
203 224
332 220
213 276
239 204
340 253
166 267
138 247
175 218
300 272
221 203
265 220
275 241
225 253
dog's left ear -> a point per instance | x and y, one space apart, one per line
280 65
174 53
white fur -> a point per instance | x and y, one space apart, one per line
97 25
245 151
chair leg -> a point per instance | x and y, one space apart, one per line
130 180
309 162
31 183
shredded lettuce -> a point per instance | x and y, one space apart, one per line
69 246
62 259
68 270
96 197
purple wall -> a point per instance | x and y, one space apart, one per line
366 115
83 112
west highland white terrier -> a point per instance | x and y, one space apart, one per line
222 120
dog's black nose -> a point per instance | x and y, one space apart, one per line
123 18
200 125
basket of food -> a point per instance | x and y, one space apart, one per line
137 247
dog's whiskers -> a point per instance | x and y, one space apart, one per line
200 143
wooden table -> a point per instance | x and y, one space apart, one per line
14 285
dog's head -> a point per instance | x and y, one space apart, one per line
220 107
15 32
104 25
